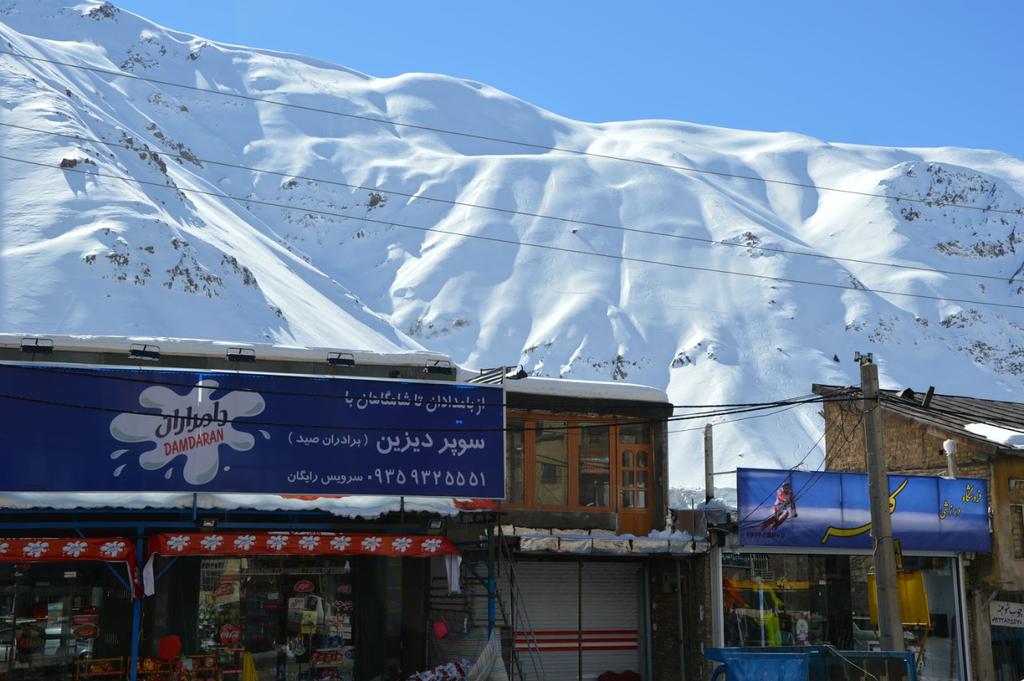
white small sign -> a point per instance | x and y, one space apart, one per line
1007 614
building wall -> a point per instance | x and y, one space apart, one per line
666 593
915 448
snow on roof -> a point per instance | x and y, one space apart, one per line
1003 436
217 348
607 390
344 507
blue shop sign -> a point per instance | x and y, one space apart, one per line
71 428
832 510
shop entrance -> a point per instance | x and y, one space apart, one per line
282 619
53 615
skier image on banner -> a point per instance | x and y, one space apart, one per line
783 510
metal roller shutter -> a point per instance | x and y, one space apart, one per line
611 619
601 632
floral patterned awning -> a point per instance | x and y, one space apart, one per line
65 549
291 544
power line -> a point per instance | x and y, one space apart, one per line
513 242
507 211
808 398
315 426
745 418
501 140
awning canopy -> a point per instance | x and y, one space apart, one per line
292 544
71 549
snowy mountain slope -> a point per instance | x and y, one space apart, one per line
81 254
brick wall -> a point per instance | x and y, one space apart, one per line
910 447
692 592
915 448
665 594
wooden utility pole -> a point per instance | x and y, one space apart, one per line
709 464
887 594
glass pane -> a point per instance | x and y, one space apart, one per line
514 461
640 497
635 434
641 459
595 465
641 478
627 458
552 463
799 600
627 499
627 478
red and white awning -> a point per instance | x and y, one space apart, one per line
294 544
71 549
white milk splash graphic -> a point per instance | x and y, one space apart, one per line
192 426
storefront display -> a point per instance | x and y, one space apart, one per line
55 614
802 600
802 573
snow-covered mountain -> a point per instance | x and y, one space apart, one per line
96 255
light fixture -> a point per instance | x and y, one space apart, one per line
345 359
144 351
435 525
439 366
208 523
241 355
37 346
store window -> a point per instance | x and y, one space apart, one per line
515 453
795 600
578 464
55 617
594 465
552 459
281 618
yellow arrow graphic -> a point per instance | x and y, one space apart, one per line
861 529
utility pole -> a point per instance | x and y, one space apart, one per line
714 541
887 595
709 464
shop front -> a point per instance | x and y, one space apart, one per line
64 601
269 526
800 571
289 606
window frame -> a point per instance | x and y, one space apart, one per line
574 424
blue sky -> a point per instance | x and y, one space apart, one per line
906 73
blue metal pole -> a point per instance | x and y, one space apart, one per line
133 662
492 590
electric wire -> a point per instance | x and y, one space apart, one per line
107 375
181 158
513 242
320 426
812 480
501 140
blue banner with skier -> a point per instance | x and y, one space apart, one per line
78 429
832 510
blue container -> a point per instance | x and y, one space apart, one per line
810 663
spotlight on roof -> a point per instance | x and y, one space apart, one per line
37 346
345 359
241 355
439 366
144 351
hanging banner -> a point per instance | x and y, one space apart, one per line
72 549
69 428
832 510
291 544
